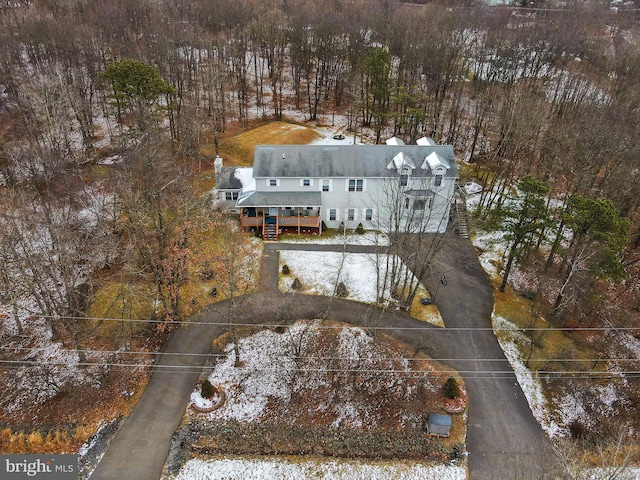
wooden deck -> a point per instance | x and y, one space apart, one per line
298 222
281 221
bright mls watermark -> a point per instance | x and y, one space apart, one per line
51 467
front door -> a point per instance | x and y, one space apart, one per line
273 211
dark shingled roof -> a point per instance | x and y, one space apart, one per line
347 161
226 179
281 199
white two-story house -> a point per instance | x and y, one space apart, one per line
392 188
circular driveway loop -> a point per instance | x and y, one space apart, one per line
504 440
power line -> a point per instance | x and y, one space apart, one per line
466 374
351 359
428 327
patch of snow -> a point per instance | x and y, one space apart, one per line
285 469
112 160
631 343
260 377
320 273
327 138
471 188
245 175
574 411
613 473
492 246
367 238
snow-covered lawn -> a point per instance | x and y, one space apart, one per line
320 272
278 367
288 469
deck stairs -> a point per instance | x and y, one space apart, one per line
270 233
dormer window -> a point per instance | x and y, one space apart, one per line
402 163
404 176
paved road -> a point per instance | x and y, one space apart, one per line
504 440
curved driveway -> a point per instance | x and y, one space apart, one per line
504 440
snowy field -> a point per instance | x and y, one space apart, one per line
287 469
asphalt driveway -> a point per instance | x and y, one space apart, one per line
504 440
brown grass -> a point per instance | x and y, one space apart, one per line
238 149
76 414
550 343
425 313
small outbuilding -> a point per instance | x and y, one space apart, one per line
438 425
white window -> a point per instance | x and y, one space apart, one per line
351 214
333 214
326 185
438 180
355 185
368 214
273 182
306 182
231 195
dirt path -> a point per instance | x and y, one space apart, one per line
504 440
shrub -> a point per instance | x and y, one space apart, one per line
285 269
324 226
206 390
457 452
451 388
360 229
341 228
296 285
577 430
341 290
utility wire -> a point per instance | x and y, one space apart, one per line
185 369
311 357
430 328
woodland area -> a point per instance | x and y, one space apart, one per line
103 121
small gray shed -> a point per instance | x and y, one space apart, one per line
438 424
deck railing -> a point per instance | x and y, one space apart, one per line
289 221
